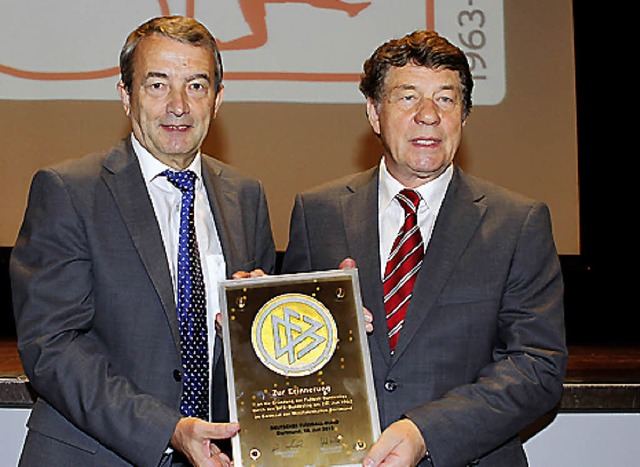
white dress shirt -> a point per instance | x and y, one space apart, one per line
166 199
391 214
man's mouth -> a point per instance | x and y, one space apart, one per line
177 128
426 142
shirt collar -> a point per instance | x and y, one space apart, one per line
431 192
152 167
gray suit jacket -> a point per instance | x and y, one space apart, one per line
95 307
482 353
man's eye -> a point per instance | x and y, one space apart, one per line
406 99
198 87
446 102
156 88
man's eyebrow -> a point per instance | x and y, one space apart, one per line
410 87
155 74
449 87
196 76
204 76
404 86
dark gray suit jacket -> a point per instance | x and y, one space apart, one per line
482 353
95 307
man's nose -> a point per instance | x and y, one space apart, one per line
427 112
178 103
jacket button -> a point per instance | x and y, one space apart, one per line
390 385
177 375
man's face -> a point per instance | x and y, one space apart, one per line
419 120
172 98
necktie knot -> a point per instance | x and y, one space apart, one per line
409 200
184 180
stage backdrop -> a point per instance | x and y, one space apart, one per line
292 115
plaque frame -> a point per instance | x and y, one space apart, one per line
262 406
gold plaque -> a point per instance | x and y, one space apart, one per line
298 370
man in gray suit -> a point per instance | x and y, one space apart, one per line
468 344
94 270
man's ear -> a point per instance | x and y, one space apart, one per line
218 101
125 98
373 116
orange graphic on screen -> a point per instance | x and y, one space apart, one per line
81 75
254 13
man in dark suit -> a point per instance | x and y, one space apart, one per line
461 276
95 271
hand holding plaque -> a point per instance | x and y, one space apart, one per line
298 370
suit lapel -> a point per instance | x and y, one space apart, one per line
124 179
360 217
457 221
227 214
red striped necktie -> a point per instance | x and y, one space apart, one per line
403 266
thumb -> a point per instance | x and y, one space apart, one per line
348 263
223 430
382 448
